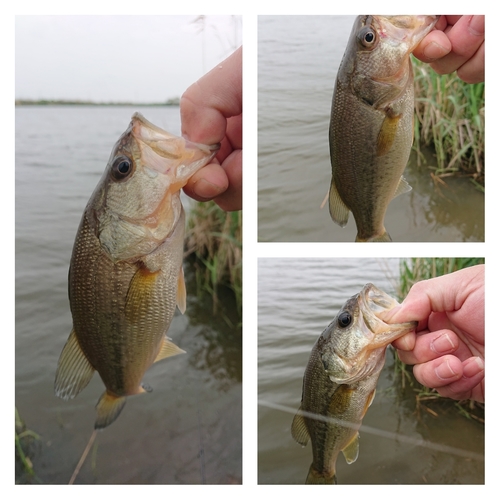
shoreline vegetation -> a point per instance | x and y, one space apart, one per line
214 239
449 118
77 102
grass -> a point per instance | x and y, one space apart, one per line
24 441
214 239
450 118
412 271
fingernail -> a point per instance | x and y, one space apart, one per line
476 25
473 367
444 371
442 344
434 51
205 189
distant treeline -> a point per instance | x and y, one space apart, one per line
52 102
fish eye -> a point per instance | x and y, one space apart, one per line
367 37
344 319
122 167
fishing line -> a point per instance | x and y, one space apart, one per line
83 457
379 432
202 448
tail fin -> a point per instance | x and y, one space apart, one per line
108 408
383 237
315 477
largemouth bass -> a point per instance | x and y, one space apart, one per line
125 276
340 380
371 126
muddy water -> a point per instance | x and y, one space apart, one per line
398 444
298 58
188 430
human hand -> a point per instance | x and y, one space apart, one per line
448 346
211 112
456 44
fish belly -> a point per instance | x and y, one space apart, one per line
121 311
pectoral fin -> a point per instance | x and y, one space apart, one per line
299 429
73 370
168 349
181 292
340 401
140 293
387 134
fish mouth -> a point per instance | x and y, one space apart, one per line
373 302
164 152
405 29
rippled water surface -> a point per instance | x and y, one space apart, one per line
298 58
188 430
398 443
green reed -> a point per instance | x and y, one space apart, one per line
214 238
23 448
450 118
411 271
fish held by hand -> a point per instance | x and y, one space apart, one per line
126 276
371 125
340 380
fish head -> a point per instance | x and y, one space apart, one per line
137 202
376 63
353 345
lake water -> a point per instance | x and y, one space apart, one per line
298 58
188 430
297 299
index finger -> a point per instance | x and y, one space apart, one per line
445 293
206 105
466 37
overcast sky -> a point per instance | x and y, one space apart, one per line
118 58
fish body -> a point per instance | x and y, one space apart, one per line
340 380
125 276
371 125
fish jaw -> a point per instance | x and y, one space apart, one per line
169 154
399 36
407 30
379 72
357 351
376 302
136 212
